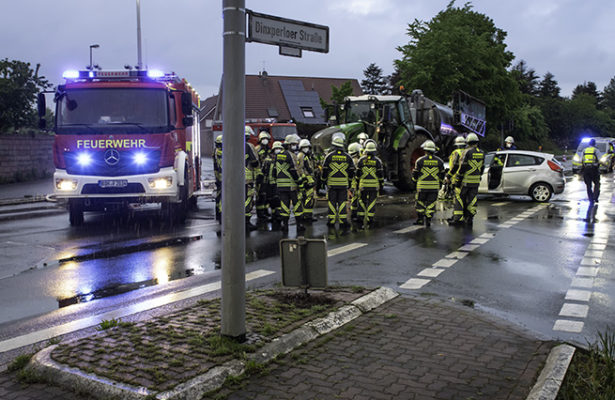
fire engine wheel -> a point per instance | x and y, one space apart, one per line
175 213
407 159
75 213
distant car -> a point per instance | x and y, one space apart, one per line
605 146
519 172
278 130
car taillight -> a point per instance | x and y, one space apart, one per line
554 166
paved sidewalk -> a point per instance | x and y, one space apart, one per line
408 348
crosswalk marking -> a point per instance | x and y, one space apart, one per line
409 229
344 249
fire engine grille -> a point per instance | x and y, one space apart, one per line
111 163
92 188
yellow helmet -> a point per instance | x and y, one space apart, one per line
277 145
354 148
219 139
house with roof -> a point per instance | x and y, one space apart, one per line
283 98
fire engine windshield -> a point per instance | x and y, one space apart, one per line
104 110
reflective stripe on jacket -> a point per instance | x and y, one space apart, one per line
338 169
590 157
427 173
370 173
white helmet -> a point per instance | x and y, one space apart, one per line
263 135
338 141
291 139
370 147
362 137
509 139
249 131
460 141
304 143
429 145
472 138
354 148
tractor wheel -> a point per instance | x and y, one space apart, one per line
407 159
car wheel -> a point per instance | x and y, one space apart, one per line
541 192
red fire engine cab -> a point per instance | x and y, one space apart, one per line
125 137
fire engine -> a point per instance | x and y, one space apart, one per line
125 137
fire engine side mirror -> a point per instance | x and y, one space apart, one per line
42 110
186 103
188 121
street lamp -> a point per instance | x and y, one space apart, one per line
92 46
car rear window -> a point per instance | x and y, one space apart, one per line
520 160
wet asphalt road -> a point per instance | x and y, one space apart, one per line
52 273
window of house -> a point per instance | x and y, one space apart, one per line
307 112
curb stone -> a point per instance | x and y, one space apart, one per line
550 379
77 380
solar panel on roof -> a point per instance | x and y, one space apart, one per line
298 100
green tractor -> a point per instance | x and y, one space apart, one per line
399 125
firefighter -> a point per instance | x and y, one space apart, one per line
427 174
264 189
305 169
453 160
338 172
369 182
355 152
286 179
469 171
591 171
362 141
509 143
218 175
274 198
253 176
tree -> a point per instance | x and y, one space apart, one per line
374 82
608 95
526 78
588 88
337 94
19 85
547 88
460 49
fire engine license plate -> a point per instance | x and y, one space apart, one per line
113 183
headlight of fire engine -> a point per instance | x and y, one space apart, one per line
84 159
576 158
66 184
160 183
140 158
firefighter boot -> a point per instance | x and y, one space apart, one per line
427 221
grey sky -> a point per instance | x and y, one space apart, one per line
572 39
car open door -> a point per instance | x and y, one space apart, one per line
518 172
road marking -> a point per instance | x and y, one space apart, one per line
590 261
430 272
415 283
500 204
596 246
487 235
48 333
344 249
409 229
586 283
469 247
574 310
594 253
587 271
578 295
456 254
565 325
479 241
517 219
505 225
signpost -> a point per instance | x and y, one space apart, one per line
287 33
292 37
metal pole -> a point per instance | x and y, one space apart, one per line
139 62
233 172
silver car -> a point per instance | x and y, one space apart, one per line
519 172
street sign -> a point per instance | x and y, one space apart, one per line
285 32
290 51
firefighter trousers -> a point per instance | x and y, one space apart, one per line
465 203
426 203
337 199
249 204
289 202
367 205
262 204
218 201
307 196
591 176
